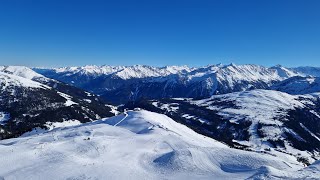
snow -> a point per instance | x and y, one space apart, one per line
308 71
257 106
4 117
285 72
135 145
229 73
312 134
69 101
9 80
167 107
124 72
87 100
298 85
21 71
53 125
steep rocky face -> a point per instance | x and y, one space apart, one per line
118 84
26 104
257 120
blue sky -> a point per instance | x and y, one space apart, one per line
165 32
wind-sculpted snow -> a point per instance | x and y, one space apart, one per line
136 145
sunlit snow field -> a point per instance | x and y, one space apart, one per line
136 145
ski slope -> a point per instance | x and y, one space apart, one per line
136 145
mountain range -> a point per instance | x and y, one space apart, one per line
120 84
218 121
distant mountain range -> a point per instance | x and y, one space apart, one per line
120 84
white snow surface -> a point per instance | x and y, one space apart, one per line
68 98
4 117
124 72
10 80
67 123
256 106
21 71
230 73
136 145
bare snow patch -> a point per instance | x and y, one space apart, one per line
69 102
68 123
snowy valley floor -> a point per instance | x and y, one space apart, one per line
138 145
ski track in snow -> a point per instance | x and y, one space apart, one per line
135 145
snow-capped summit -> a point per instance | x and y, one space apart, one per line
10 81
285 72
21 71
124 72
120 84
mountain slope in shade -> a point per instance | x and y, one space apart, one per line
136 145
308 71
119 84
26 104
257 120
299 85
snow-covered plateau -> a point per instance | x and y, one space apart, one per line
138 145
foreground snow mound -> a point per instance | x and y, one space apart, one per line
133 145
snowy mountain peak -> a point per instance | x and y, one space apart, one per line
11 81
21 71
169 81
285 72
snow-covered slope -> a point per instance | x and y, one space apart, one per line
10 80
21 71
257 120
25 72
124 72
26 103
299 85
119 84
308 71
259 107
135 145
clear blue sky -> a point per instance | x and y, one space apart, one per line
163 32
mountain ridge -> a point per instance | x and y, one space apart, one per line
29 100
117 84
